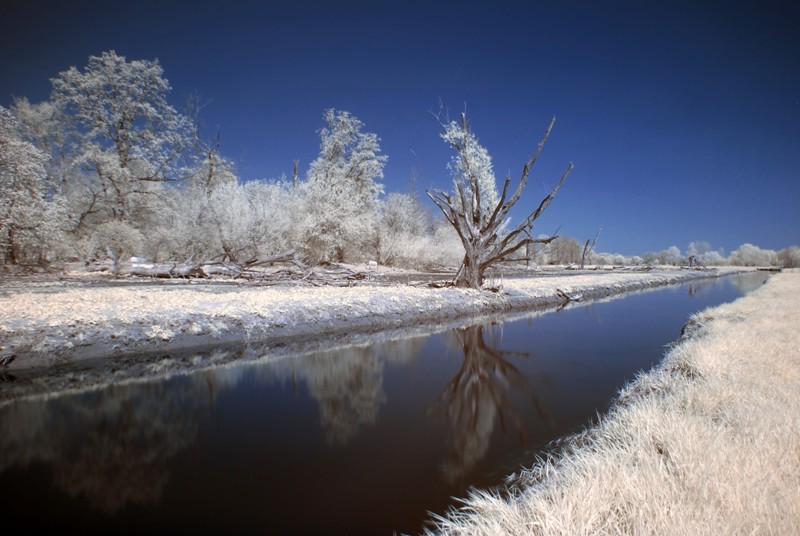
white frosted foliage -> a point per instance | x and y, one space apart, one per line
342 190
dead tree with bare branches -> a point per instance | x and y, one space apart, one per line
481 225
587 249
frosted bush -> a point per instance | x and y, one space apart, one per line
750 255
789 257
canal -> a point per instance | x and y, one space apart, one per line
364 439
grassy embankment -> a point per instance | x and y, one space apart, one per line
707 443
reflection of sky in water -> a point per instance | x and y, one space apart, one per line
361 440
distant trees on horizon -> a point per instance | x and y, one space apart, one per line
107 168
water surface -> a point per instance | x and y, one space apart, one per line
357 440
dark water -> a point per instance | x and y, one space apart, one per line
362 440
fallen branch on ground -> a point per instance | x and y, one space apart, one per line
297 273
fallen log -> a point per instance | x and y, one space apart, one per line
298 273
566 298
156 270
290 256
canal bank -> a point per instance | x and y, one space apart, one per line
53 323
706 443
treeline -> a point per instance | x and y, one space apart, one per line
108 168
701 253
567 250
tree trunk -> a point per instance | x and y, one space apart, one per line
585 254
470 275
11 254
528 256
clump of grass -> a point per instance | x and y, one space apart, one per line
707 443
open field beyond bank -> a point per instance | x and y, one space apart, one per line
706 443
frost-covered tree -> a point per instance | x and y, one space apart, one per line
789 257
445 248
189 229
117 240
712 258
250 220
404 227
49 128
342 190
704 255
671 255
613 259
565 250
30 222
481 225
213 169
131 140
471 164
750 255
697 248
230 212
233 221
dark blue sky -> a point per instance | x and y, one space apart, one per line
682 118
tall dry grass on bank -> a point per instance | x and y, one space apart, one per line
708 443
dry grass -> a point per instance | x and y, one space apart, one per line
708 443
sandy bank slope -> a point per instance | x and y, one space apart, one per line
709 443
47 323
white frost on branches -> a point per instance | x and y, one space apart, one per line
29 220
131 139
471 164
342 190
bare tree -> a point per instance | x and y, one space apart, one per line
587 248
481 225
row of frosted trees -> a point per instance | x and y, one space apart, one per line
108 168
701 252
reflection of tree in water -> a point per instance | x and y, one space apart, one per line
402 350
749 282
111 446
477 397
348 385
347 382
699 286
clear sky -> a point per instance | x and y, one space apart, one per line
682 118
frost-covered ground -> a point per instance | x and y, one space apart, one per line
55 322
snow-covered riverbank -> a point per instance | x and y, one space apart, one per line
54 323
